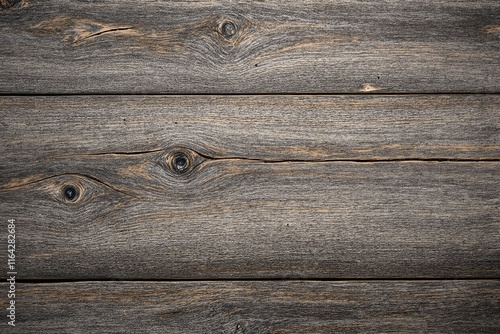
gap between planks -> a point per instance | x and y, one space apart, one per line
169 280
132 94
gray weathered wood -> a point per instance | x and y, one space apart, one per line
251 186
255 127
235 218
261 197
125 46
258 307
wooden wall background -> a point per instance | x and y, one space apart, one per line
251 166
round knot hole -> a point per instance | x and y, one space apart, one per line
70 193
180 162
228 29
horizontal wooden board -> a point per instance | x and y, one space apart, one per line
257 307
230 218
265 193
122 46
268 128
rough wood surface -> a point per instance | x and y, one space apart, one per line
126 46
262 195
335 193
276 307
269 128
233 218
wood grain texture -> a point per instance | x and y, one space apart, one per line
257 200
259 307
229 218
125 46
354 200
268 128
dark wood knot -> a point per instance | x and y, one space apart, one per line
180 161
71 193
228 29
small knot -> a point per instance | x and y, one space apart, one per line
240 328
180 162
71 193
228 29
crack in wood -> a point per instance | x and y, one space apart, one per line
241 158
372 160
102 32
125 152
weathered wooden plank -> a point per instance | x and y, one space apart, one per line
254 127
258 307
122 46
134 217
261 194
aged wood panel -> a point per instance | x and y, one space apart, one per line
125 46
252 187
136 218
259 307
260 193
270 128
